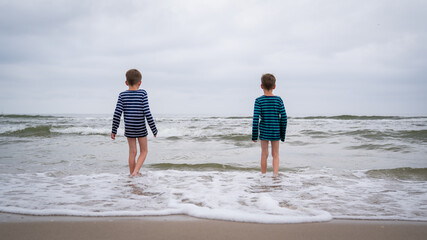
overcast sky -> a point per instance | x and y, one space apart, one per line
207 57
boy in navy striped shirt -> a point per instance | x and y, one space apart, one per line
270 122
133 103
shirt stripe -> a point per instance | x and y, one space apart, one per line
269 119
135 109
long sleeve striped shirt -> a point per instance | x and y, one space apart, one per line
270 119
135 108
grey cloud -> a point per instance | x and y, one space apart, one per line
335 54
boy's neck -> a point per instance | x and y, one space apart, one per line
268 92
133 88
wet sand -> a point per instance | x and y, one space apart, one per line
13 226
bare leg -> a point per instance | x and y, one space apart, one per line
264 156
143 148
132 153
275 153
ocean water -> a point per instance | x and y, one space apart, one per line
342 167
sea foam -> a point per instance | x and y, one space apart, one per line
209 195
297 196
353 167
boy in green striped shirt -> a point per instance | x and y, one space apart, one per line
270 122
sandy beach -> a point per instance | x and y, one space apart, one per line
13 226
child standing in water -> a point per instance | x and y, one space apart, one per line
272 125
134 105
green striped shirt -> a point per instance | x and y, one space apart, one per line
269 119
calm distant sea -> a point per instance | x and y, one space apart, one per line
346 167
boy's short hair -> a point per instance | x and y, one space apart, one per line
268 81
133 77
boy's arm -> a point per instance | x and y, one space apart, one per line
147 113
255 121
116 117
283 122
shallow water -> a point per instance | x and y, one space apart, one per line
331 167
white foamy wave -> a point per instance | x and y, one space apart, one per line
11 128
204 195
81 130
297 196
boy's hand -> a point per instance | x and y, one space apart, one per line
113 136
155 136
254 141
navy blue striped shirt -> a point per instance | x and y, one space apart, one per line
135 108
270 119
